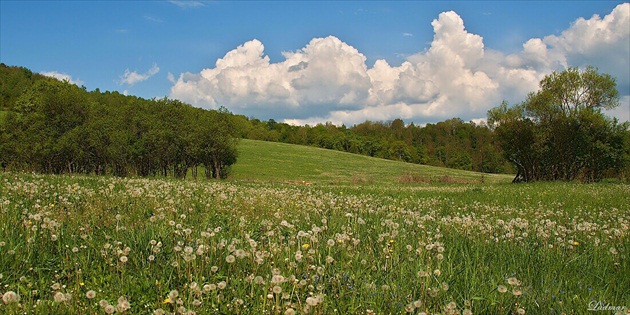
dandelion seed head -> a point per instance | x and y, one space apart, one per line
230 259
109 309
277 289
90 294
59 297
10 297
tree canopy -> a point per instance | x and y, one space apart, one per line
560 132
57 127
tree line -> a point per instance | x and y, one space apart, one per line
558 133
52 126
452 143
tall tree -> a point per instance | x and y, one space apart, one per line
560 132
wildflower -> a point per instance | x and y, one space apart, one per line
173 295
221 285
90 294
59 297
305 246
467 312
520 311
311 301
517 292
230 259
445 287
103 303
289 311
437 272
513 281
258 280
10 297
277 289
330 242
123 259
110 309
123 305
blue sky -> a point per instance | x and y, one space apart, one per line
312 61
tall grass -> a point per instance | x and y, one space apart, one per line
95 245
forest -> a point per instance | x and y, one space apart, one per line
51 126
56 127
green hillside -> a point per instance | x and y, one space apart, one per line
273 161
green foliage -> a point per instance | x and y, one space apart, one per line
453 143
560 133
57 127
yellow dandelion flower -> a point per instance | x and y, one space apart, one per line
305 246
166 301
576 243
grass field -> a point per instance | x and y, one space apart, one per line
352 242
278 162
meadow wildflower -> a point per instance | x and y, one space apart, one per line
513 281
109 309
59 297
230 259
501 288
173 295
10 297
277 289
90 294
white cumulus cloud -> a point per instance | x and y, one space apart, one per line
62 77
133 77
457 76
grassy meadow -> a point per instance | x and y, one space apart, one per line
311 231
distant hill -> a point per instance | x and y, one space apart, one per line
273 161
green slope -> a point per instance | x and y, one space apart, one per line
272 161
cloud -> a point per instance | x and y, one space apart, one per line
457 76
185 4
171 78
62 77
407 34
153 19
133 77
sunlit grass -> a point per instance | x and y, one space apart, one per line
93 245
281 162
